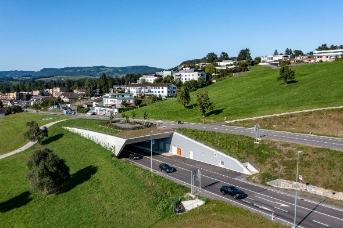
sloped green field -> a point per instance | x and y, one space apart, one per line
259 93
103 192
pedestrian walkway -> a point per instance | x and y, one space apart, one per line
282 114
29 144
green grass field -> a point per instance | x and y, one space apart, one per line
13 126
259 93
103 192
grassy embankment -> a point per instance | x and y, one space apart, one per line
319 166
103 192
258 93
324 122
12 128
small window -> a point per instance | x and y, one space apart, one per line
215 154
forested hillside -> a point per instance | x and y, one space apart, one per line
82 71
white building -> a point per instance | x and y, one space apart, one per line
226 63
188 74
274 58
163 89
165 73
150 78
328 55
115 99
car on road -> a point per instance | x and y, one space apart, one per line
135 156
233 191
166 168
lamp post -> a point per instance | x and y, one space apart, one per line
151 151
296 192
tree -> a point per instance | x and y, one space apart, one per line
323 47
257 60
48 173
123 102
103 84
183 97
111 117
203 102
287 51
244 54
145 115
158 80
276 52
201 82
90 86
286 74
133 114
1 104
298 53
211 57
209 69
223 56
35 133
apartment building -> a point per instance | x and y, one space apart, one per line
163 89
328 55
188 74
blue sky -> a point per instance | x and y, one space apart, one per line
161 33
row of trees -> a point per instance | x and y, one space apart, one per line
103 83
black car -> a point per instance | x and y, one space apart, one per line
135 156
166 168
235 192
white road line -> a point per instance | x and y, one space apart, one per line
281 209
320 223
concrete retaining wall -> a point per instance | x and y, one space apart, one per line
279 183
110 142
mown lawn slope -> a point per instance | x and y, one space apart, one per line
259 93
103 192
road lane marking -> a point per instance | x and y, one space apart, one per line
320 223
281 209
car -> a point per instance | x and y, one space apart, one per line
135 156
233 191
166 168
90 113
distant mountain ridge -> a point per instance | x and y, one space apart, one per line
82 71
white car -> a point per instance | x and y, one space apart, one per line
90 113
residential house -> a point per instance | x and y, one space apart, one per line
69 97
226 63
80 92
188 74
328 55
115 99
163 89
304 59
57 91
150 78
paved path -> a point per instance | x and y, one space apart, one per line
29 144
282 114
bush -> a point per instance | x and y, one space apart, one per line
48 173
13 110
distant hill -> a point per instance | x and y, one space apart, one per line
82 71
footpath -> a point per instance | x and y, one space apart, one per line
282 114
29 144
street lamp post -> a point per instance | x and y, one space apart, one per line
151 151
296 192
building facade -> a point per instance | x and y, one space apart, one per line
163 89
188 74
328 55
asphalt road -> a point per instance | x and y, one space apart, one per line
265 201
306 139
